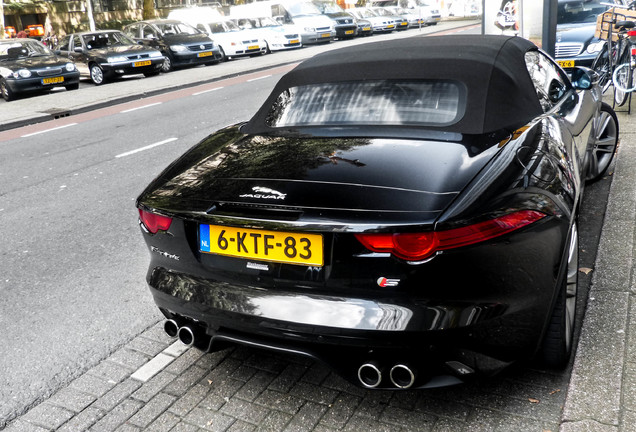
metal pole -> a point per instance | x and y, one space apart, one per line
1 19
548 39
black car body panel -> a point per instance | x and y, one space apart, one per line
46 70
458 312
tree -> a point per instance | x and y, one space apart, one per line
149 9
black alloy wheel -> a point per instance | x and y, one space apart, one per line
605 141
167 64
559 338
7 93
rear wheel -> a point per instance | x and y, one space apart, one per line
557 343
605 141
7 93
622 79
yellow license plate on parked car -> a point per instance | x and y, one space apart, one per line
54 80
349 32
325 35
366 28
294 41
253 47
277 246
205 54
566 63
142 63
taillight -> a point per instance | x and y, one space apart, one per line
419 246
154 222
631 33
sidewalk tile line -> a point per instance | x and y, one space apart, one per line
152 368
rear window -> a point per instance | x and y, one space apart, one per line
383 102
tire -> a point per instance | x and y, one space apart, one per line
223 56
97 74
558 341
622 80
605 136
601 66
72 86
7 93
167 64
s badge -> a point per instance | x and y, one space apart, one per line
384 282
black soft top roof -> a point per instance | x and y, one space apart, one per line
500 94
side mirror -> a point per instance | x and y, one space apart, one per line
584 78
78 50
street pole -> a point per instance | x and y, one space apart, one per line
1 19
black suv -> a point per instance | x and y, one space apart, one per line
180 43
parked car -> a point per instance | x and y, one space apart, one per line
180 43
9 32
401 23
27 66
277 37
576 44
107 54
365 28
380 24
411 222
313 26
413 19
430 14
345 25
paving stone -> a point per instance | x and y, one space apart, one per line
373 404
316 374
243 373
128 358
92 385
366 424
275 421
213 402
127 428
404 399
449 425
164 423
226 388
336 382
184 361
288 377
280 401
185 380
255 386
157 333
185 427
83 421
408 420
588 426
146 346
209 420
240 426
149 389
71 399
211 360
48 416
21 425
628 420
117 416
267 362
442 408
152 410
111 372
242 410
117 394
188 401
340 411
314 393
306 418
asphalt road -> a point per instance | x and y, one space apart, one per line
72 286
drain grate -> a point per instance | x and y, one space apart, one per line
57 113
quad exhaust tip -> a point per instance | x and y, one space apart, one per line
402 376
171 328
369 375
186 336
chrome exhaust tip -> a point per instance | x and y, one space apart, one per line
186 336
402 376
369 375
171 328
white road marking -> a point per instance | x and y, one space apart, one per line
206 91
48 130
146 147
141 107
259 78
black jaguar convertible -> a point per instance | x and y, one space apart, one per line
412 223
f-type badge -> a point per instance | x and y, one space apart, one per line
264 193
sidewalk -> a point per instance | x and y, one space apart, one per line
154 384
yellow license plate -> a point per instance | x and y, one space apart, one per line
349 32
390 26
205 54
253 47
142 63
325 35
276 246
294 41
366 29
566 63
54 80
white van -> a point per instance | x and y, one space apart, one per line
313 26
232 41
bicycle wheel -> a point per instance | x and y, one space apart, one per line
601 65
622 80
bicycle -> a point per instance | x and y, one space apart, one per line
615 54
